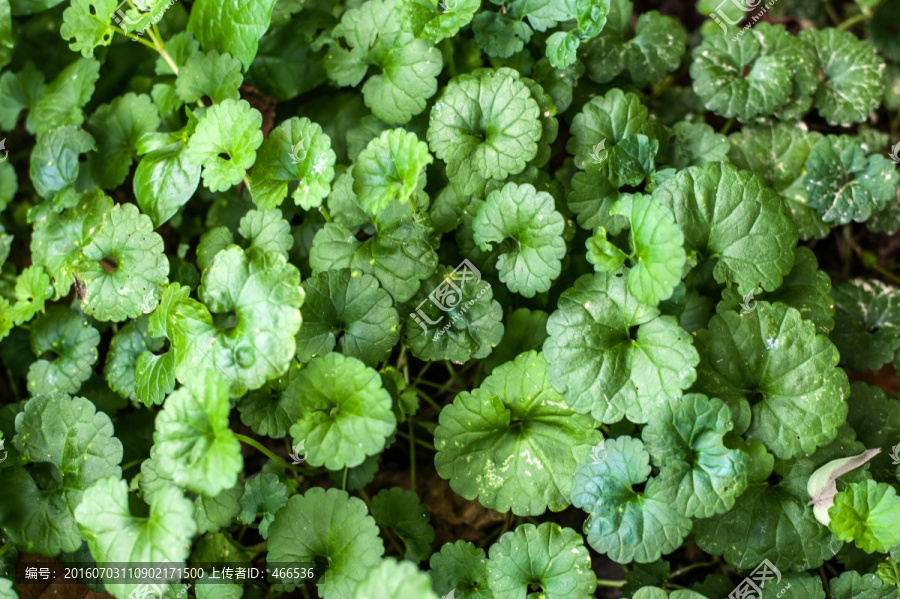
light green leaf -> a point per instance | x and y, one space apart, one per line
868 514
117 127
114 535
434 21
264 494
349 309
61 102
68 338
125 349
562 48
623 523
460 568
394 579
54 160
225 141
345 413
32 290
408 66
193 443
528 219
852 585
696 144
591 199
730 216
267 231
233 27
88 23
513 442
296 150
213 75
605 366
484 125
327 524
547 555
131 285
604 122
500 35
164 181
388 170
789 373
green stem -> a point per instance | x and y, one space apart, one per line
344 484
727 127
616 584
324 214
825 583
428 399
157 44
412 456
451 64
853 21
847 249
254 443
832 14
131 464
454 376
424 444
6 547
12 384
681 571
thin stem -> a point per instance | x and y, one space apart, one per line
615 584
13 386
161 48
853 21
681 571
454 376
344 484
6 547
422 373
727 127
847 249
825 582
428 399
131 464
448 46
424 444
832 14
412 456
254 443
324 214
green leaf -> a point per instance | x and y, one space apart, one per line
822 485
138 266
19 91
512 442
58 239
7 43
213 75
264 494
500 35
114 535
327 524
394 579
730 216
347 309
528 218
778 366
744 77
61 102
399 255
408 66
430 20
76 443
547 555
851 74
225 141
125 349
696 144
69 343
117 127
345 413
403 512
562 47
844 184
866 323
54 160
602 364
388 170
193 443
267 231
296 150
604 122
474 319
657 248
685 439
591 199
876 419
852 585
460 568
484 125
165 179
623 523
33 289
88 23
868 514
269 410
233 27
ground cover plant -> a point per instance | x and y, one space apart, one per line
473 299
